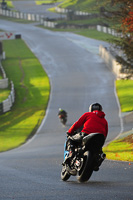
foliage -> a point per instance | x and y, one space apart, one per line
127 23
124 15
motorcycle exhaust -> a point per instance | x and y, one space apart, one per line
103 156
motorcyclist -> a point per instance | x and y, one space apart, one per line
92 122
62 113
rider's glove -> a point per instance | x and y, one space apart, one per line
68 134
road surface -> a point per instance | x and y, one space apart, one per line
78 77
31 7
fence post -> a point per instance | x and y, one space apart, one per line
1 49
1 108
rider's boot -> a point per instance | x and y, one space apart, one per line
101 159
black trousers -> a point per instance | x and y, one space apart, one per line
74 140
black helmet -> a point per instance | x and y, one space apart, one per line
95 106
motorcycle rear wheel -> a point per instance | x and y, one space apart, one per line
64 174
63 121
87 169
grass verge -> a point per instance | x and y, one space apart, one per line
125 93
4 93
24 21
121 149
32 94
94 34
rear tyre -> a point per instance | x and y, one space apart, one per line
87 169
64 174
63 121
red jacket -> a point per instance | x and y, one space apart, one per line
92 122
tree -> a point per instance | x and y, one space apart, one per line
127 23
124 14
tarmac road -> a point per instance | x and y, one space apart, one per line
31 7
78 78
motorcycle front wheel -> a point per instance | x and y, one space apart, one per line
87 168
64 174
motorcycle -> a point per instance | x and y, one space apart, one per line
88 156
63 119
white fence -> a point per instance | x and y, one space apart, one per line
40 18
110 61
65 11
29 17
6 104
2 70
20 15
108 30
4 81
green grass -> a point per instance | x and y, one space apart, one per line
90 6
46 1
32 95
121 148
24 21
4 93
94 34
125 93
0 75
85 32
